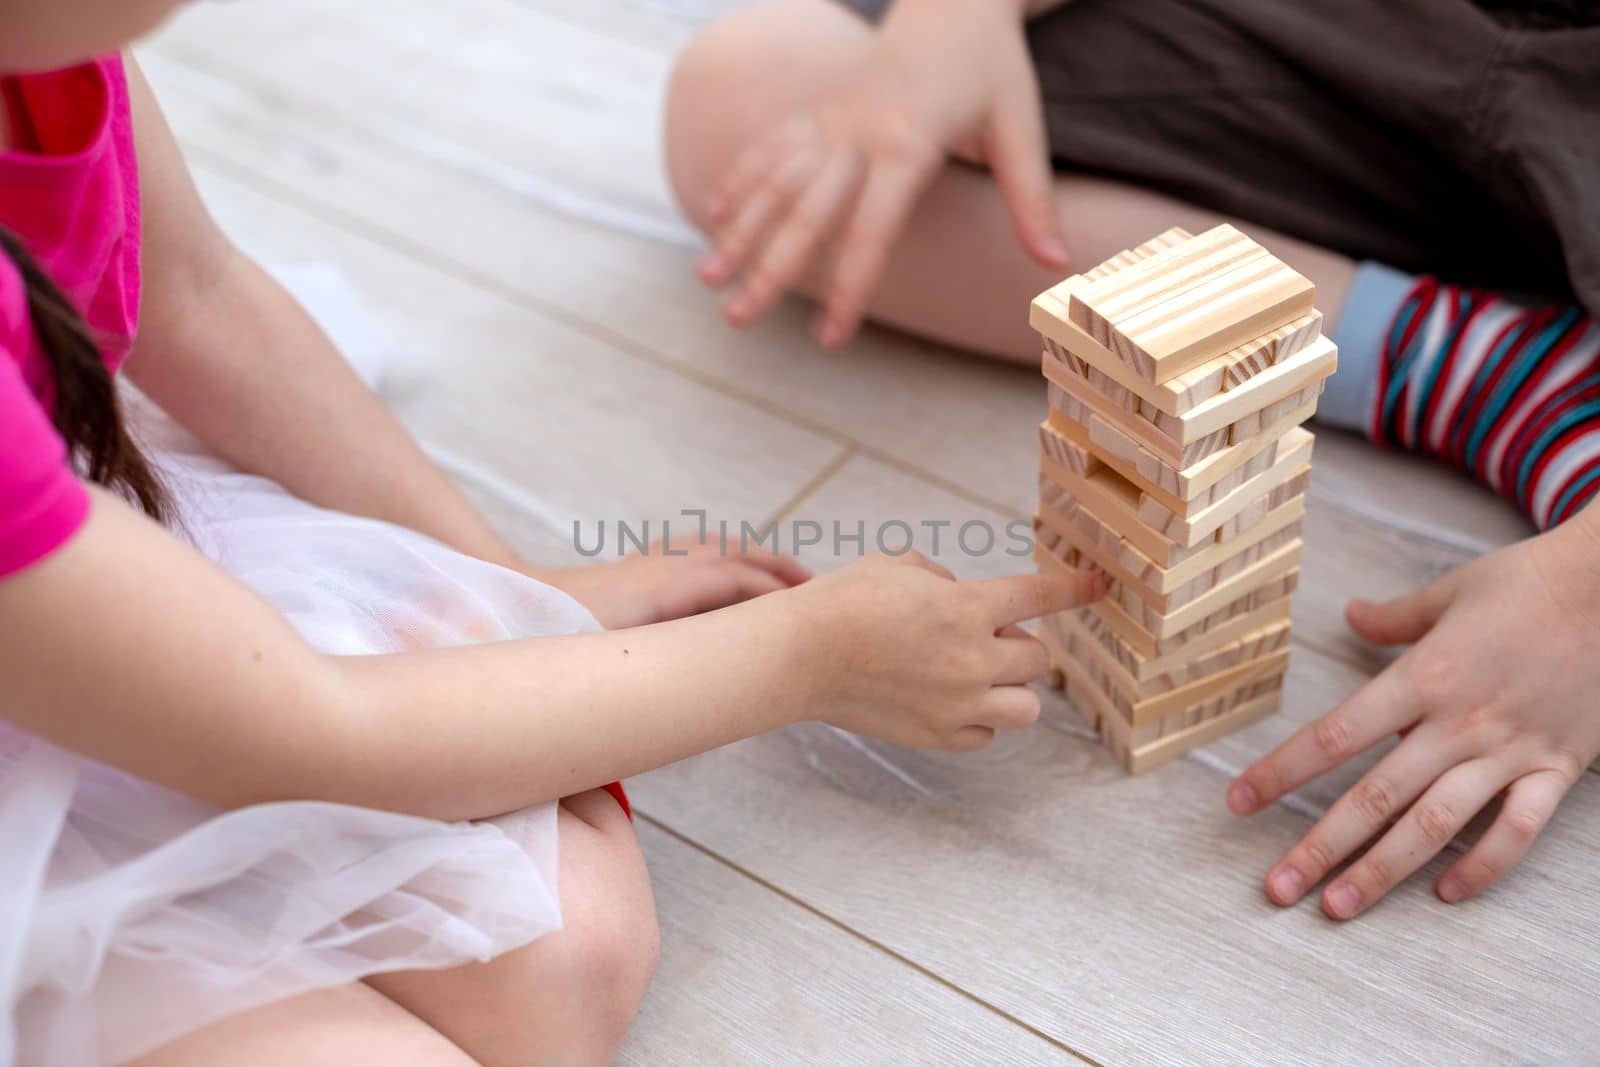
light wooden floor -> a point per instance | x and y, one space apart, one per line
487 172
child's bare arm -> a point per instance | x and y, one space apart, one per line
230 355
131 648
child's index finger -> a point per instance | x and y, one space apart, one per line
1028 596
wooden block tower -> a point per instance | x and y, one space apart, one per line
1174 461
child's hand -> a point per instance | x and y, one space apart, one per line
653 587
942 76
1499 695
903 652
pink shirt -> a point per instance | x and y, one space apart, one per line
69 188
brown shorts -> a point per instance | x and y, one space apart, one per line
1443 136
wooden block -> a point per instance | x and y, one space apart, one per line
1059 657
1256 421
1175 252
1068 392
1156 753
1251 514
1270 394
1213 708
1048 544
1065 454
1256 355
1205 482
1183 440
1116 500
1176 663
1063 339
1142 623
1190 695
1188 608
1128 257
1206 527
1139 755
1291 463
1097 542
1150 646
1234 369
1229 309
1106 543
1132 693
1265 544
1098 304
1073 364
1112 440
1101 307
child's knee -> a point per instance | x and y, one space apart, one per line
743 73
614 939
619 958
699 140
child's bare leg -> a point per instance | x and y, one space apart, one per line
958 274
328 1028
569 997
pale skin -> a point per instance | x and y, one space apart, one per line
828 157
198 684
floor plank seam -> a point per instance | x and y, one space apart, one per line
871 942
1338 655
812 484
292 197
1468 547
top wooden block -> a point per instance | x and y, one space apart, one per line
1179 301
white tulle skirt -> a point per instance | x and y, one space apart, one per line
131 914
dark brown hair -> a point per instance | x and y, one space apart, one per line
87 413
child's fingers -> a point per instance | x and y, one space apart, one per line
1009 707
1365 808
1028 596
917 559
710 588
786 178
1529 804
892 189
736 182
1021 164
1019 658
1430 824
751 581
786 568
1376 710
1404 619
970 739
797 238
